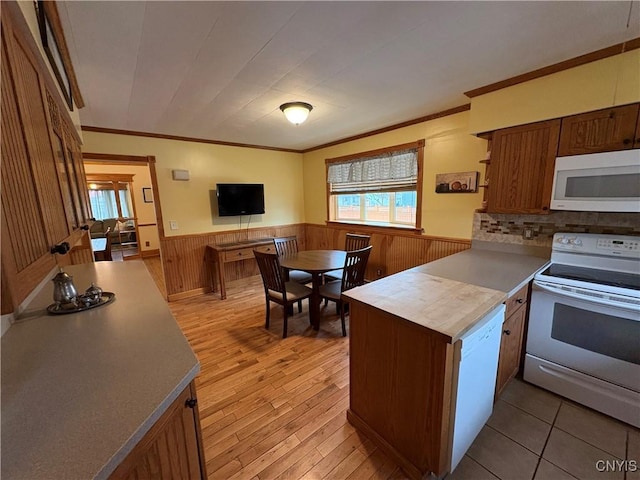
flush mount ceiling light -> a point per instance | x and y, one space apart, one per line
296 112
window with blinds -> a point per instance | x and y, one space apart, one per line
380 187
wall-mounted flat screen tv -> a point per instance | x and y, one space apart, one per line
240 199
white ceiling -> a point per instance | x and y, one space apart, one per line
220 70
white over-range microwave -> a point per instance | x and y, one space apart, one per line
598 182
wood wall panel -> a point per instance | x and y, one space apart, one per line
184 262
186 270
393 250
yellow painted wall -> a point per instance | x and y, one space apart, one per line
601 84
145 211
188 202
295 189
448 148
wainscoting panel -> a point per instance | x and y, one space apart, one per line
186 268
187 272
393 250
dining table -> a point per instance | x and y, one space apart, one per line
315 262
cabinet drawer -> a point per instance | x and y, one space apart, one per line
236 255
516 300
244 253
267 249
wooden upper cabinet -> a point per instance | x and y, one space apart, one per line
71 176
600 131
44 200
522 162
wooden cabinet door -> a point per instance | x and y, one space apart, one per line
171 449
522 162
26 210
79 182
601 131
39 208
510 347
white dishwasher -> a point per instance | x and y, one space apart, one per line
476 381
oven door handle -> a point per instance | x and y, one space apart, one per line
599 299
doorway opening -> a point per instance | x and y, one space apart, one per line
123 190
113 207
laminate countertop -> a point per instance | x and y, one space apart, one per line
499 270
450 295
80 390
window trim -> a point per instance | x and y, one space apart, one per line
370 227
115 179
418 145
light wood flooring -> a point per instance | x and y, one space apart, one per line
270 407
273 408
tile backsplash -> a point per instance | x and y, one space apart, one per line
506 228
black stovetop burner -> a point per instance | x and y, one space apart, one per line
594 275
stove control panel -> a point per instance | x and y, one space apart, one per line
589 243
617 244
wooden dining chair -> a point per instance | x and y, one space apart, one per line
353 241
353 272
277 289
287 246
104 255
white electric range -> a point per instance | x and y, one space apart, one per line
584 325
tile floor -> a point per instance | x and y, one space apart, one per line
534 434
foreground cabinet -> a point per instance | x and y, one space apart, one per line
172 449
522 163
44 197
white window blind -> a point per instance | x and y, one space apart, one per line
387 172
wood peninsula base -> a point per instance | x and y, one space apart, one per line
401 389
218 255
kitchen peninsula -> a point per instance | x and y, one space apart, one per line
406 349
80 391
